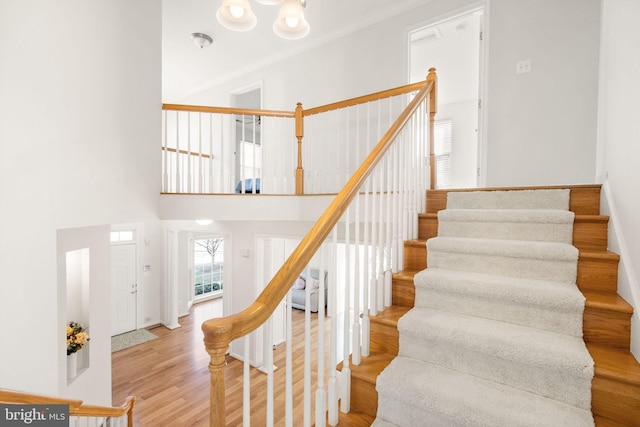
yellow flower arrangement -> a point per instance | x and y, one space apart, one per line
76 337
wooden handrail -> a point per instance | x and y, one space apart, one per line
365 98
219 332
227 110
76 408
192 153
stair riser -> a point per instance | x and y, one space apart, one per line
415 256
610 328
403 293
427 226
597 275
364 397
384 338
590 235
623 405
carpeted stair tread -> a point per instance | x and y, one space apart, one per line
555 306
514 224
546 363
512 199
455 399
515 258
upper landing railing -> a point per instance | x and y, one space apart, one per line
357 241
214 150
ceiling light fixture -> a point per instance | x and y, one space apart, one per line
204 221
201 40
237 15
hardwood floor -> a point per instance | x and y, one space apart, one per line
170 379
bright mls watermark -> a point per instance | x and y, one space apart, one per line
34 415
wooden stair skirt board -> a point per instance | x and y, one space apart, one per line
607 317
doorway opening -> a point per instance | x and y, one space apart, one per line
454 47
248 140
124 282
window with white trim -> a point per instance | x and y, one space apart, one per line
208 259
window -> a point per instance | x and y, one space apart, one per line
122 236
442 147
208 257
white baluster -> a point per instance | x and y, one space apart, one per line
165 171
321 394
267 357
389 217
178 177
373 267
381 239
268 366
246 384
345 397
333 383
188 156
307 351
355 334
241 162
289 366
200 188
366 336
254 163
211 167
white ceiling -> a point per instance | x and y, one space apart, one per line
187 69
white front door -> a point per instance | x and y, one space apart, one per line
123 288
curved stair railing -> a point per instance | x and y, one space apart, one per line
370 216
80 415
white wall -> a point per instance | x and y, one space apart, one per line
618 143
93 383
80 95
464 154
371 59
542 124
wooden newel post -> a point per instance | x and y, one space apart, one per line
217 348
299 135
433 109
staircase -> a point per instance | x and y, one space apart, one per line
606 319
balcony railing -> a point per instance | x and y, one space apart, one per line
217 150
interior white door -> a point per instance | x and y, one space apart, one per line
124 289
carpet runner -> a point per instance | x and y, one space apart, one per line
495 336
